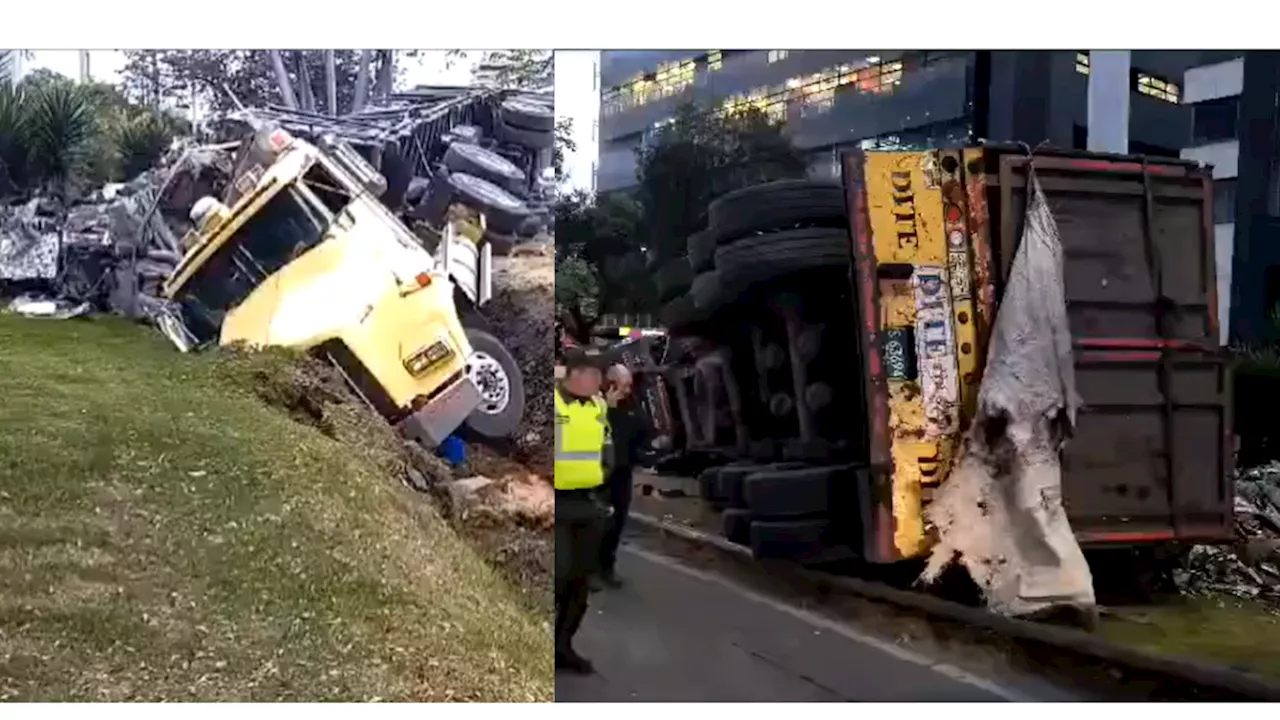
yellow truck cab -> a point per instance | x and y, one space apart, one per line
307 257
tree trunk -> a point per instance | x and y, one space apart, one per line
330 83
386 74
306 95
362 82
282 80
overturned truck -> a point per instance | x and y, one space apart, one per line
831 343
307 246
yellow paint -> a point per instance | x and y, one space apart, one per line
906 214
367 283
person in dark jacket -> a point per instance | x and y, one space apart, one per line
628 433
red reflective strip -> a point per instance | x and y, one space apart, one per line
1119 167
1121 356
1132 343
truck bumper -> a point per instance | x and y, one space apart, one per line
440 417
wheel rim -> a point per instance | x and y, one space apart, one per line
492 381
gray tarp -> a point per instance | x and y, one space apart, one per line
1000 512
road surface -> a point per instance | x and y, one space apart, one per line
678 634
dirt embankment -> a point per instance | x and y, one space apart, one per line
523 315
227 526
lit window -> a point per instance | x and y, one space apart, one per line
1157 88
776 55
715 60
1082 63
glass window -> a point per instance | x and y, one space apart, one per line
327 188
1082 63
285 228
1155 87
1215 120
1224 200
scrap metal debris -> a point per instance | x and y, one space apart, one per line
1249 568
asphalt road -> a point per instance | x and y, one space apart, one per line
678 634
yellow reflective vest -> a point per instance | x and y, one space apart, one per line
582 438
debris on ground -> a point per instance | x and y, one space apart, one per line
1249 568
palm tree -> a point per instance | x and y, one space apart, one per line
45 126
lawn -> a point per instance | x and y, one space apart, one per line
1219 630
167 535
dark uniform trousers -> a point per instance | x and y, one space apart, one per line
619 488
581 521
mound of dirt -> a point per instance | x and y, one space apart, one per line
522 311
497 504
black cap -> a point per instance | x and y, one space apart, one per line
584 358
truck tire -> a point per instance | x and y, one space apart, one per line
766 257
497 375
707 487
735 526
794 492
786 539
531 139
673 279
702 251
503 211
528 115
486 165
705 291
731 485
775 206
678 314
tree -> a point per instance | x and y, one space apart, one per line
519 69
699 156
577 293
46 124
181 76
604 231
564 145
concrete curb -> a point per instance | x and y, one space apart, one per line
1222 682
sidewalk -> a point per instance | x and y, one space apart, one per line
675 634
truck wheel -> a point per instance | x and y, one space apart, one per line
528 115
775 206
796 491
497 375
702 251
503 211
707 487
789 538
486 165
731 481
530 139
779 254
736 526
673 279
705 291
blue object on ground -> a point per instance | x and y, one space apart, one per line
453 450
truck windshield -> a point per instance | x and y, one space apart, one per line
283 229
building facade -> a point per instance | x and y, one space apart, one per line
836 100
1235 120
11 66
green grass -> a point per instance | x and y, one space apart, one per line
167 535
1219 630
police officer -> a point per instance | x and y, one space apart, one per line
581 448
627 434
